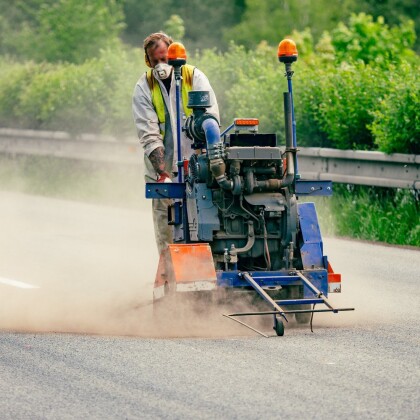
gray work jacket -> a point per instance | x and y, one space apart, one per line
147 123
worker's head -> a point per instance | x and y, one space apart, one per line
156 48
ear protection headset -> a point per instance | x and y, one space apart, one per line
146 59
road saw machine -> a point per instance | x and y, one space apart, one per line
237 224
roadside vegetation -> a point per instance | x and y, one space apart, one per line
370 213
72 67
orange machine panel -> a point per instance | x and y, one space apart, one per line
192 262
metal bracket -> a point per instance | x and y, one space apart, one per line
277 308
165 190
313 187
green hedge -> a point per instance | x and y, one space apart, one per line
345 106
373 213
247 84
92 97
362 103
396 119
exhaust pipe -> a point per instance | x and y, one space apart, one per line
215 153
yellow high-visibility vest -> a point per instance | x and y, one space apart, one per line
187 73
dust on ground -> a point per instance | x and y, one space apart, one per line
94 268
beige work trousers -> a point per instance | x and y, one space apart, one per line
163 232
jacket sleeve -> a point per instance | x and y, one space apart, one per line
201 82
145 117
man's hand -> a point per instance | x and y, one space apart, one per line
164 177
157 158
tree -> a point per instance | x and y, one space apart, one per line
143 17
393 11
64 30
271 20
373 41
205 22
175 26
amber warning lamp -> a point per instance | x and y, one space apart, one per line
250 124
287 51
177 56
246 122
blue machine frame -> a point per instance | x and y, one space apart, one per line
313 276
176 190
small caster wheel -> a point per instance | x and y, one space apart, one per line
278 327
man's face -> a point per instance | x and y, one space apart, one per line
158 54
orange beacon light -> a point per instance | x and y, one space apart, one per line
287 51
177 55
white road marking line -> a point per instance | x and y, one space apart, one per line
17 283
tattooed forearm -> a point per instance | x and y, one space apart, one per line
157 157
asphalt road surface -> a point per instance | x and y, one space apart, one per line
78 340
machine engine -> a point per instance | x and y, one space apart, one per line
240 193
252 223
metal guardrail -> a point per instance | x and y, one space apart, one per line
358 167
341 166
86 147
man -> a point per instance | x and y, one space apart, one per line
154 111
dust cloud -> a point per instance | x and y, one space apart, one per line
111 315
94 267
92 270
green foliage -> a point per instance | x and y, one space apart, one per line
393 11
359 107
340 107
92 97
256 92
272 20
373 42
356 84
337 102
175 26
213 24
204 21
396 120
352 104
244 82
64 30
143 17
79 28
366 101
376 214
221 70
13 81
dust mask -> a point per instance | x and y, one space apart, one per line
162 71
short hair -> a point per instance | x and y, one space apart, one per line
153 39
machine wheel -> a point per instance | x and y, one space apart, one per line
303 318
278 326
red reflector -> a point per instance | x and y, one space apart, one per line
186 162
334 278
